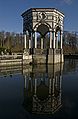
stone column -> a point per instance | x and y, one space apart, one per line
54 39
53 86
53 92
29 43
56 81
31 40
35 86
50 86
25 82
60 81
60 89
25 41
35 39
50 39
61 39
42 42
31 85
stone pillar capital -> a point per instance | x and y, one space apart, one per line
56 34
61 32
50 30
54 30
35 30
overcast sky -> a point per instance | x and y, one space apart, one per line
11 10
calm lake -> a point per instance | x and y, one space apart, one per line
39 92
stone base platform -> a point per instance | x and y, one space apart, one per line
45 56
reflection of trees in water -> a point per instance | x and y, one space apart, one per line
42 89
70 65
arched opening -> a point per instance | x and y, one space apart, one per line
42 91
42 35
42 29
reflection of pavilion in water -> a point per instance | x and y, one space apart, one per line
42 89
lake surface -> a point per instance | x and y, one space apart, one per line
39 92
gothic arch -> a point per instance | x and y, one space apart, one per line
42 23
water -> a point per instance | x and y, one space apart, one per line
39 92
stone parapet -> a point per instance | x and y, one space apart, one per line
10 62
27 59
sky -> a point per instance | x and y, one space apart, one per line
11 10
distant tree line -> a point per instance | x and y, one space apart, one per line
11 42
14 42
70 42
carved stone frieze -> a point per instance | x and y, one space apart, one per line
32 18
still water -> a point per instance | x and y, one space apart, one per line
39 92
